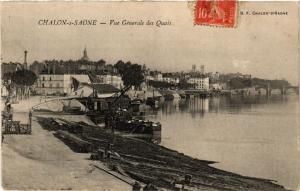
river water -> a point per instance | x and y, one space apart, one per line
251 136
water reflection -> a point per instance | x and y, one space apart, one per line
248 135
231 104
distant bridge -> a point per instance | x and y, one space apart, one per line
284 90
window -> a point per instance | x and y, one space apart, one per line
43 78
50 78
50 85
43 85
57 85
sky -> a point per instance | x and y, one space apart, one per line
263 46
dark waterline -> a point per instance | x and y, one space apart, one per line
253 136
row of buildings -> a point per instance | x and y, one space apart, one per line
68 83
56 78
198 79
61 77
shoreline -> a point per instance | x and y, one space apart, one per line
161 167
34 153
41 161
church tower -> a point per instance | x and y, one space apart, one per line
85 56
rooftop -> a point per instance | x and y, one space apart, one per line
103 88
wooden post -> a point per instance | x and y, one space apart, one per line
30 122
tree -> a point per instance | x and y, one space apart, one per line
99 64
122 66
22 80
24 77
240 83
273 83
183 84
132 74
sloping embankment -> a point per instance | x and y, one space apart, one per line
162 167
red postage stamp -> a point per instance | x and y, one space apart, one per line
216 12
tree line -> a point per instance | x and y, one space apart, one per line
240 83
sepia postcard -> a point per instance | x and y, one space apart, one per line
150 95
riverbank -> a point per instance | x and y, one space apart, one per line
40 161
152 164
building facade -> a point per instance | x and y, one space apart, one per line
58 84
114 80
158 77
170 78
200 82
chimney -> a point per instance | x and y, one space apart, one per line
25 59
